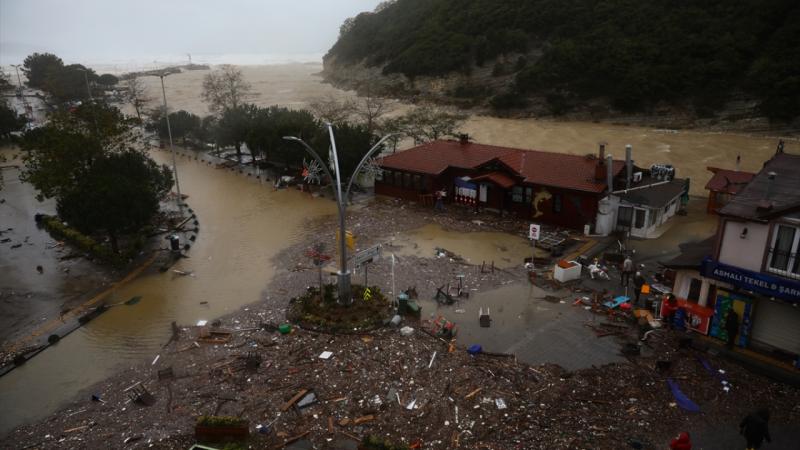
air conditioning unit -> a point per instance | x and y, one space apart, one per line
637 177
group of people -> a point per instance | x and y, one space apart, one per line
754 428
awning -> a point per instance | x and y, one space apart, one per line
498 178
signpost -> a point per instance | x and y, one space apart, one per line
533 234
365 257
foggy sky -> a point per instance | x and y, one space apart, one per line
113 30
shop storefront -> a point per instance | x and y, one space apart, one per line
767 306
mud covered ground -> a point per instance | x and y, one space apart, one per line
486 401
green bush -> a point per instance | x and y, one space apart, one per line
221 421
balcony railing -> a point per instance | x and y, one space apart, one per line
785 264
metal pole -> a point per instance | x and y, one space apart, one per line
343 274
88 89
19 82
171 148
394 294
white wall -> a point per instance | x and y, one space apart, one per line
747 253
683 281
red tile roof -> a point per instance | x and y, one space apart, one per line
498 178
728 181
562 170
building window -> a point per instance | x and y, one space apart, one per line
528 194
639 218
694 290
557 203
783 257
418 182
516 194
407 181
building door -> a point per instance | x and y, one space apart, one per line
483 192
777 324
638 220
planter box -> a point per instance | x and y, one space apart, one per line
216 434
567 270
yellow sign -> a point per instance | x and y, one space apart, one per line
367 294
349 240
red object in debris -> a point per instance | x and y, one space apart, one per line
626 306
682 442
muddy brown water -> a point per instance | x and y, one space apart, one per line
243 224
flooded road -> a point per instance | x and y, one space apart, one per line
243 224
524 324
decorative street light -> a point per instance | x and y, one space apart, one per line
343 276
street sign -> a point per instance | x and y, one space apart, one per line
367 255
533 232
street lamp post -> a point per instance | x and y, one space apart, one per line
343 275
19 82
171 148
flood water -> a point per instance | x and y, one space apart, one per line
506 250
524 324
243 224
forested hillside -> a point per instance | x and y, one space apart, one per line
635 53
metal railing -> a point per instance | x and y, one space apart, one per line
792 263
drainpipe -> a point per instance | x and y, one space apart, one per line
610 173
628 166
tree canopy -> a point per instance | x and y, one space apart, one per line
86 159
635 53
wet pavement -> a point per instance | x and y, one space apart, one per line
536 330
27 297
243 224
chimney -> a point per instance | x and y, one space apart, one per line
610 173
766 203
600 167
463 138
738 161
628 166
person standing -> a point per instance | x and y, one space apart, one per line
682 442
755 428
627 271
731 328
670 308
638 282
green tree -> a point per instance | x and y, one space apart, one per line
10 121
38 67
182 123
118 194
107 80
86 160
234 125
69 83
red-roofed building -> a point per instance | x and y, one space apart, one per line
724 185
552 188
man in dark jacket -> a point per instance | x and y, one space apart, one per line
638 282
754 428
732 327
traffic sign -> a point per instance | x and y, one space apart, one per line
533 232
367 255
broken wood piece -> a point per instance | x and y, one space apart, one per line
293 400
344 422
363 419
76 429
330 424
291 439
351 436
471 394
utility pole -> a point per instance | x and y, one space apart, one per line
171 148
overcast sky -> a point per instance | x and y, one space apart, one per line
99 31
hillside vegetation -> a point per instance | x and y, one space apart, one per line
634 53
